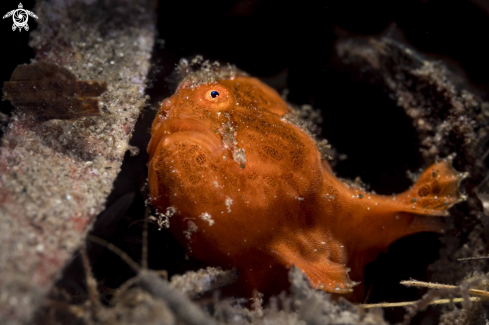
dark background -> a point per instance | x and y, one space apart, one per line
290 45
14 48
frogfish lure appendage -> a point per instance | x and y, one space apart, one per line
249 190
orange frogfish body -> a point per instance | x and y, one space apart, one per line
248 188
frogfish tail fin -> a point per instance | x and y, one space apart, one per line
436 190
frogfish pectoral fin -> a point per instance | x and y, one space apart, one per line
320 271
436 190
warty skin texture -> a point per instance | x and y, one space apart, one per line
277 203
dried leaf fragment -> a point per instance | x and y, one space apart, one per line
49 91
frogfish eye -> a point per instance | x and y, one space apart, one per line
215 95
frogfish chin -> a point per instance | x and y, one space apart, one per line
246 187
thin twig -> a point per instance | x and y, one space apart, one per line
122 289
144 253
77 310
472 258
409 303
117 251
421 284
151 282
91 282
367 296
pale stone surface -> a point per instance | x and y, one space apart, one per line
55 175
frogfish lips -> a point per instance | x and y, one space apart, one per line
184 130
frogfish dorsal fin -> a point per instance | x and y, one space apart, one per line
436 190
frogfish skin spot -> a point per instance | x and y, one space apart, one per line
250 190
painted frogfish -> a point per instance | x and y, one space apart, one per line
245 186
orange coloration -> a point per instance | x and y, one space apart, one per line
250 190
